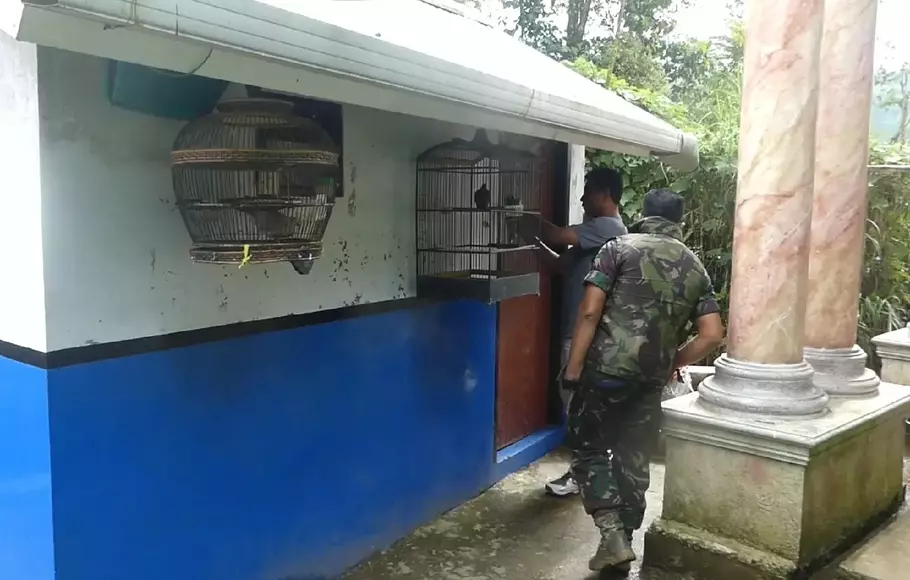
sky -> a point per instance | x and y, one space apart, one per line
707 18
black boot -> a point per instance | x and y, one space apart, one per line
615 549
625 568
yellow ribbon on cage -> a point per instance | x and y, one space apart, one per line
246 256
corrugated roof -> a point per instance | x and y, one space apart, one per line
430 55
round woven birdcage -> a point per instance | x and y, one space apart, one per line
255 183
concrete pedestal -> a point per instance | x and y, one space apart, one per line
763 497
893 349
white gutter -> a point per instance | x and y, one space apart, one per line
397 55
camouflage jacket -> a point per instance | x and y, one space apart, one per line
656 287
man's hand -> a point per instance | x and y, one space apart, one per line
569 380
573 375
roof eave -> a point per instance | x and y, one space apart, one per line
304 56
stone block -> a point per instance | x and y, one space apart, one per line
795 491
893 348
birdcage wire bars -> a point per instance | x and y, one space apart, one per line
255 184
478 212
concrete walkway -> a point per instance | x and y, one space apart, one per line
885 555
515 532
511 532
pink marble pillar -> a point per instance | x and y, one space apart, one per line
774 196
841 187
764 370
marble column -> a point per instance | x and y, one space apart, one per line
841 192
764 371
765 476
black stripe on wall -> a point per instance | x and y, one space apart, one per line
23 354
124 348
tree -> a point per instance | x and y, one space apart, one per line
651 21
893 87
578 12
534 26
632 37
687 65
627 57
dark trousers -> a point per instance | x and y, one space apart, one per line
613 433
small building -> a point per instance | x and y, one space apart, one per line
170 419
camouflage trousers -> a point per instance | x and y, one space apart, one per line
612 434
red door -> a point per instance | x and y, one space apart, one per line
523 344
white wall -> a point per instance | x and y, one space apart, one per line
576 183
116 251
22 278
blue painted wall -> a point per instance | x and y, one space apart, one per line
279 456
26 535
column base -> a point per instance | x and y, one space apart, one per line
774 390
893 348
752 497
842 372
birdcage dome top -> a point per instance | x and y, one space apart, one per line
262 131
464 153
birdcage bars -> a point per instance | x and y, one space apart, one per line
478 214
255 184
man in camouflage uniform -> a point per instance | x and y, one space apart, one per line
644 293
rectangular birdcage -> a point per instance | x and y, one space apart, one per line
478 221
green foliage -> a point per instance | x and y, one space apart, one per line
534 26
652 21
627 57
711 112
696 86
885 292
710 109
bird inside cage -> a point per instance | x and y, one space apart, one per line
273 224
482 198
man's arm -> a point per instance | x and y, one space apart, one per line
709 335
552 235
709 329
598 282
558 236
589 312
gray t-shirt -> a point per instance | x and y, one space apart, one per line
592 235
